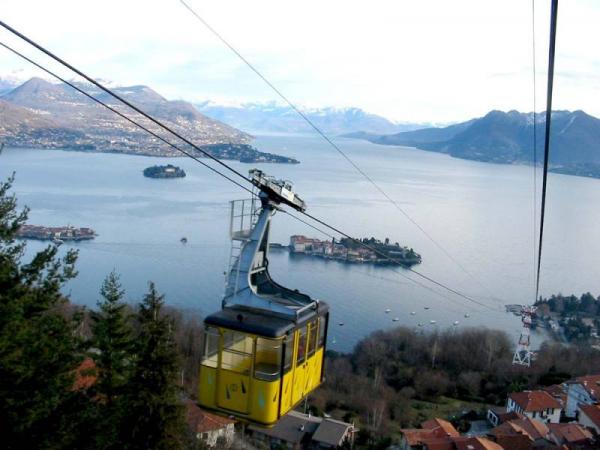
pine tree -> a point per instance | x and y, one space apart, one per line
112 338
155 412
39 350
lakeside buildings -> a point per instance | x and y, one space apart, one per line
347 251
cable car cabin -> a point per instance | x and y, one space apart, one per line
259 367
264 351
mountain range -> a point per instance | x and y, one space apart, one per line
274 118
40 114
507 137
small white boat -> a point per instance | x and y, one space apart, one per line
412 313
455 323
333 341
432 322
341 324
58 241
395 319
467 316
387 311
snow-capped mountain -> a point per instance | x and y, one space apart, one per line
276 118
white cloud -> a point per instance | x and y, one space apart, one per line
417 61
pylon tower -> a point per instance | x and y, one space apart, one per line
523 353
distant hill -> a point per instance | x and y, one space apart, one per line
30 110
507 137
19 125
274 118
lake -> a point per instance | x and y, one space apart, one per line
481 213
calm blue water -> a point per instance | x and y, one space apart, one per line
481 213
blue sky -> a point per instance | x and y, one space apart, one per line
432 61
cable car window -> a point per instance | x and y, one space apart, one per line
267 362
237 352
289 351
301 346
312 337
210 357
322 328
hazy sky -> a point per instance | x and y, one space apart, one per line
426 60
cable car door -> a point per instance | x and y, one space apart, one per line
300 369
312 373
233 383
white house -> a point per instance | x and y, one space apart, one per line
535 405
582 391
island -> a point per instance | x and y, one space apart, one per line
168 171
366 250
56 234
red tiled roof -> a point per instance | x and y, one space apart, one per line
557 391
532 401
591 383
438 444
85 375
440 428
415 436
592 412
532 428
200 421
435 434
569 432
476 443
504 416
514 441
300 239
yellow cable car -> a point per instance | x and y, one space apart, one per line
264 350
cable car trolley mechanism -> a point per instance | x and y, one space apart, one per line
264 351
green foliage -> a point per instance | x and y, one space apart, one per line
39 350
112 337
568 306
113 341
154 412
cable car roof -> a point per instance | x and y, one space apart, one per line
261 324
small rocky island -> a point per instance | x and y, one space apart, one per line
168 171
369 250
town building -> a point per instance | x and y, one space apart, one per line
571 435
559 392
435 432
207 428
582 391
532 434
474 443
589 416
522 434
439 434
303 244
497 415
535 405
297 431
